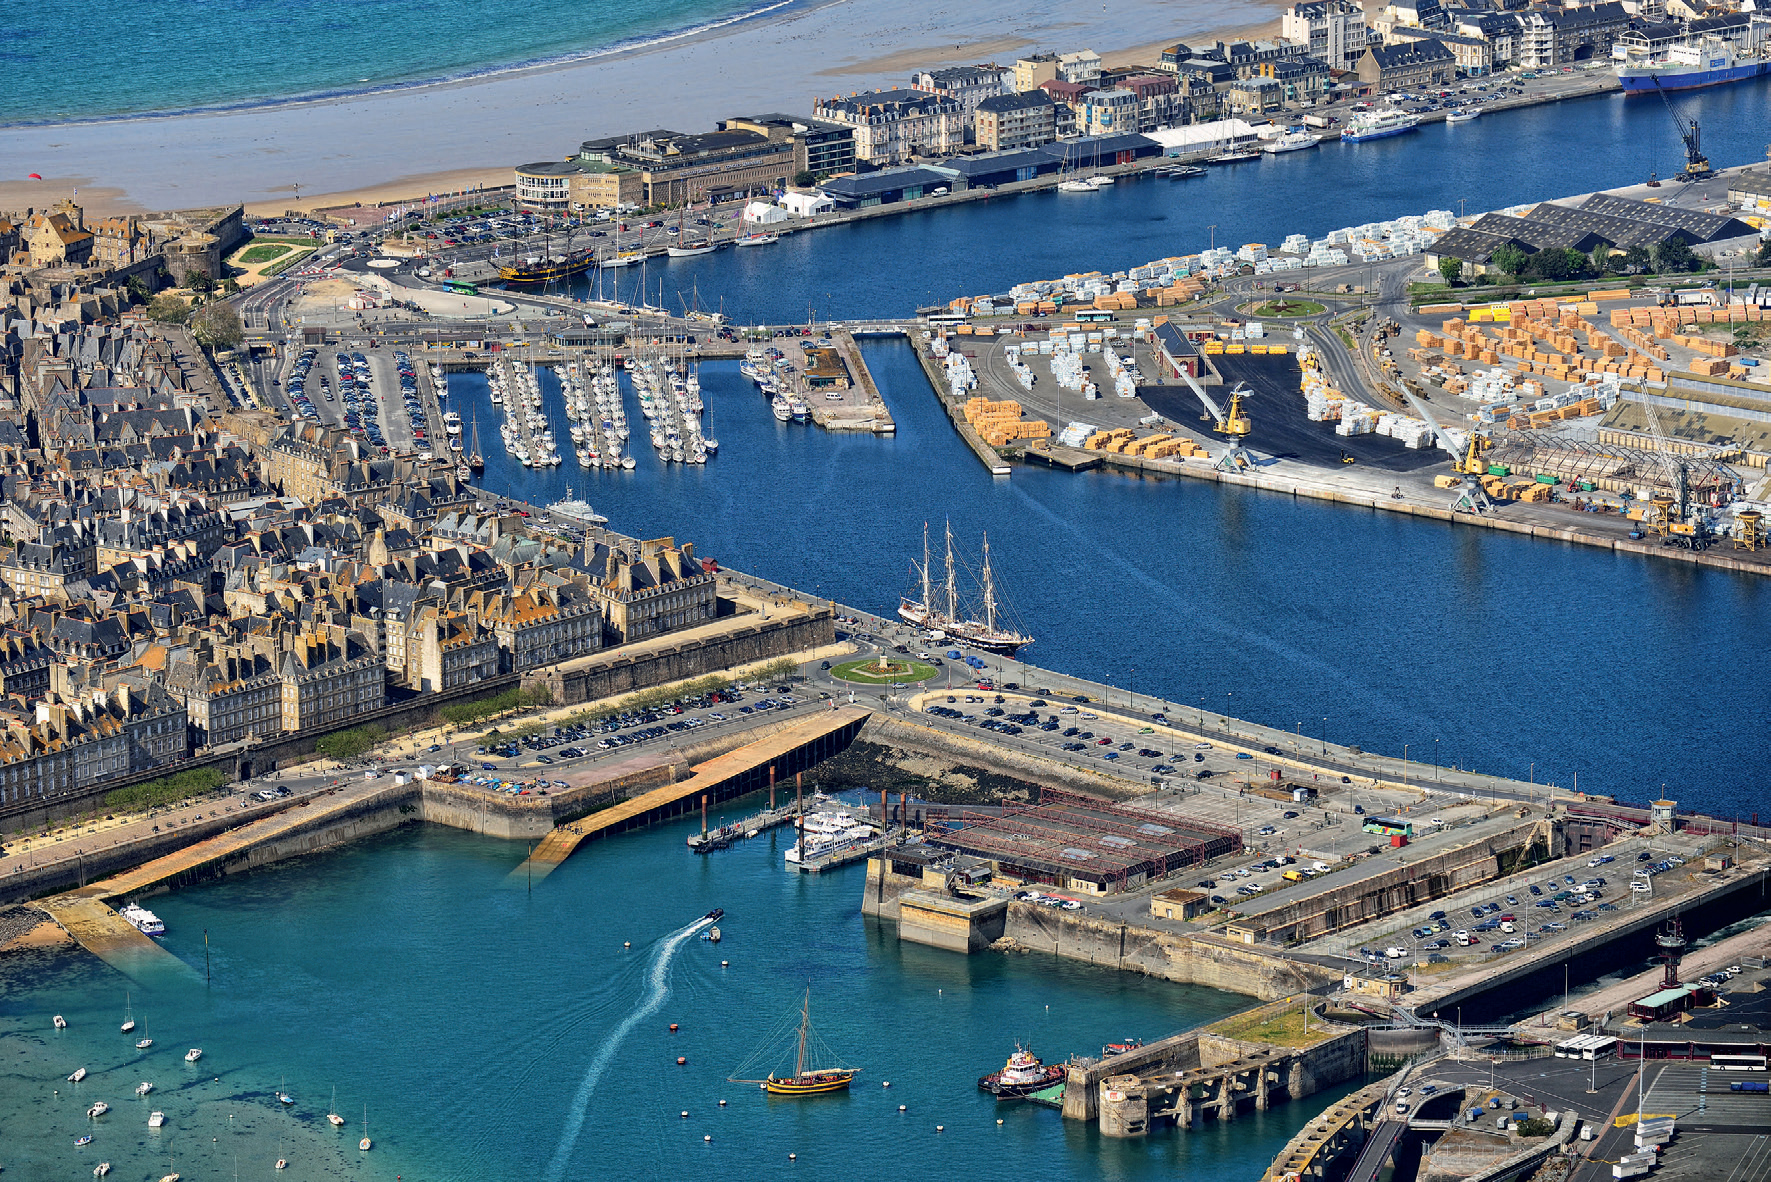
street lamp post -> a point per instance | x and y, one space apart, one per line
1325 734
1435 761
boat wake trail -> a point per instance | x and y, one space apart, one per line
659 978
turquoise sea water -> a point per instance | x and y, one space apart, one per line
144 55
468 1016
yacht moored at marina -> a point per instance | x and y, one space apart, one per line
1377 125
1291 141
1463 114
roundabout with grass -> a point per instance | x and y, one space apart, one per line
1285 309
883 670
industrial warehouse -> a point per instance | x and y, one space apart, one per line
1084 844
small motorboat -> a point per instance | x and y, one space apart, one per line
83 1140
282 1164
711 935
97 1110
101 1169
717 914
142 1044
77 1076
192 1055
143 1088
156 1120
61 1023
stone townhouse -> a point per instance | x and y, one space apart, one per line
329 676
1010 121
539 625
228 693
891 126
658 589
61 745
446 650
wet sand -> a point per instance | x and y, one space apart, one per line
404 144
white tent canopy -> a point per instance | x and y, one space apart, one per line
764 213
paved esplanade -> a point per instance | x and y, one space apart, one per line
1296 750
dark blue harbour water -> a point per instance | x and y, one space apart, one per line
887 267
1520 657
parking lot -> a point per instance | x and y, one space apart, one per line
519 767
1511 913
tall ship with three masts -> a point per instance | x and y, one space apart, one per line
940 607
815 1066
548 267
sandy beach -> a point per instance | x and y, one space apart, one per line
407 143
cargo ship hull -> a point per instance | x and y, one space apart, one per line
1643 83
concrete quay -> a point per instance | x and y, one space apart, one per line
736 773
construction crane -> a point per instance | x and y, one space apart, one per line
1233 424
1697 165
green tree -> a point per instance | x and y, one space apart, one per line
803 180
1674 256
230 286
1451 270
199 282
218 326
1601 258
1764 259
138 289
169 309
1555 263
1510 259
1636 260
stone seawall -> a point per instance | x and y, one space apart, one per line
20 881
1191 960
1432 877
611 674
364 818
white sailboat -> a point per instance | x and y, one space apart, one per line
128 1015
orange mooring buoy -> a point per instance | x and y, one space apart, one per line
680 1060
673 1027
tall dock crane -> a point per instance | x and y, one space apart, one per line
1233 424
1473 498
1697 165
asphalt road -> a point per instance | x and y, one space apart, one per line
1276 410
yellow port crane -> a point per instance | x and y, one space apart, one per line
1233 425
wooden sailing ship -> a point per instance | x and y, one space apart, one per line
812 1075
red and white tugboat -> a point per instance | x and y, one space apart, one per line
1022 1075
